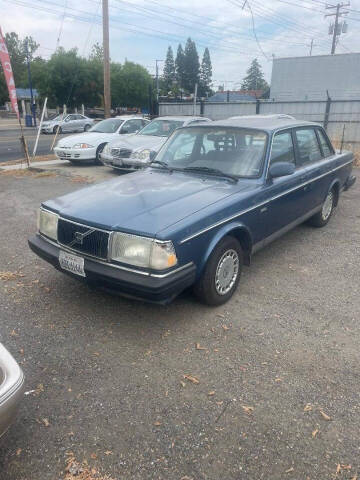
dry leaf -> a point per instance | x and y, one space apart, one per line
211 393
13 333
93 456
248 410
183 384
324 415
338 468
199 347
278 379
345 467
46 422
291 469
157 424
39 389
18 451
219 403
225 327
307 407
192 379
108 452
354 477
97 354
315 432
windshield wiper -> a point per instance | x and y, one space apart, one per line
211 171
160 162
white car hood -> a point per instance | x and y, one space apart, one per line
92 138
140 141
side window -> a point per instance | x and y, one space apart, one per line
144 122
327 151
309 149
131 126
282 148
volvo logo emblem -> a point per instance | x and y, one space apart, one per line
79 237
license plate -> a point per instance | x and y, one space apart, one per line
117 161
72 263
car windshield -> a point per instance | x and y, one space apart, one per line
109 125
161 128
56 118
232 151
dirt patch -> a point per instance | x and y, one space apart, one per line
6 276
41 158
26 173
81 179
82 471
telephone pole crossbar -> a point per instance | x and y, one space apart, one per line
338 13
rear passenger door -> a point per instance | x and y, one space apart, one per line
314 160
287 199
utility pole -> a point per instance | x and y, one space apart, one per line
311 46
337 29
107 95
32 104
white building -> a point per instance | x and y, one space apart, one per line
308 78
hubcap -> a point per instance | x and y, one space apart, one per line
227 272
328 205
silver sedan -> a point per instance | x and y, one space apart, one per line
74 122
11 389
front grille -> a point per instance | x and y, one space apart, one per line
121 152
94 242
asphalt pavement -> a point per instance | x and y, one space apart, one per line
264 387
10 146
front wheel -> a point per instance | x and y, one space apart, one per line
97 158
321 218
221 274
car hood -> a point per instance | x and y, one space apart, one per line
144 202
140 141
92 138
49 123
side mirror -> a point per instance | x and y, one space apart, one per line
281 169
152 155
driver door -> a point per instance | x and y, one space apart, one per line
69 124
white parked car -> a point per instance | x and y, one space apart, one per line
74 122
137 151
89 145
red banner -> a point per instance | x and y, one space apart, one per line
9 77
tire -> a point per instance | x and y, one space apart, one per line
321 218
87 128
56 128
215 286
98 151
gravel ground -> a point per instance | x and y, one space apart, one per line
278 366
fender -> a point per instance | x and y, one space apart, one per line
224 230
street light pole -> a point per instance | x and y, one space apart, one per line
32 104
107 94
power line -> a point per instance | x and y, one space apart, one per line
61 26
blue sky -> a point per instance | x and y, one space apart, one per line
141 30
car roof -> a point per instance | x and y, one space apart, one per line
130 117
182 118
268 123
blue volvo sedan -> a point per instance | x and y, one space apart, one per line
213 195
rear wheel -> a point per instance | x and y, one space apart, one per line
221 274
321 218
87 128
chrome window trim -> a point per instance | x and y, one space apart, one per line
232 217
109 264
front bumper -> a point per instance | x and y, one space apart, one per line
75 153
127 164
11 389
149 287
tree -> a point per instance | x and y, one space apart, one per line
254 79
179 66
129 85
191 67
17 53
169 70
205 74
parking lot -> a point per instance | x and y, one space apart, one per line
264 387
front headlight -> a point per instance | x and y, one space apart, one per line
83 145
48 223
142 251
143 155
